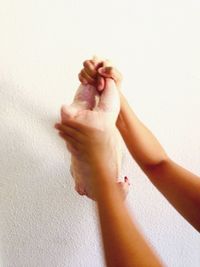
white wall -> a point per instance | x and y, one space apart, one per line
155 44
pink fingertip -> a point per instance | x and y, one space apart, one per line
100 88
57 125
126 180
101 83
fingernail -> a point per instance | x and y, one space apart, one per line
126 179
57 125
102 70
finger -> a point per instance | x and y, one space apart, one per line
110 72
103 64
80 128
99 62
71 149
100 83
69 140
74 134
82 80
87 77
126 180
68 146
107 63
124 188
89 67
109 99
92 66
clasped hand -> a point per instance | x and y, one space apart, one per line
93 143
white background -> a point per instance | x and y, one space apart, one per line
155 44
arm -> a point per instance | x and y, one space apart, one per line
123 243
141 143
179 186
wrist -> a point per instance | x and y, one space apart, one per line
121 99
104 188
102 176
121 121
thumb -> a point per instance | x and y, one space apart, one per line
104 71
109 99
100 83
66 113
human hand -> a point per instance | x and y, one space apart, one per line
94 147
102 120
91 145
96 70
103 116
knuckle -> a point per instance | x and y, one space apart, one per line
91 61
80 76
85 63
82 73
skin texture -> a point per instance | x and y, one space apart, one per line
104 111
124 244
178 185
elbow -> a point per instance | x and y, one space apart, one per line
157 164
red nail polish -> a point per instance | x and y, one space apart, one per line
126 179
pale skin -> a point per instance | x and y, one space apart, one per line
124 245
106 109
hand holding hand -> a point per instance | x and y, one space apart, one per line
96 70
91 137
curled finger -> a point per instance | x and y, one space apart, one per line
71 143
82 80
87 77
89 67
69 131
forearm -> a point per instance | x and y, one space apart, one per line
142 144
180 187
123 244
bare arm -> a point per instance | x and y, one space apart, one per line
142 144
123 243
179 186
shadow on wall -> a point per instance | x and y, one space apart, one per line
38 203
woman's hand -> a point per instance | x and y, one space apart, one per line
93 139
95 70
91 145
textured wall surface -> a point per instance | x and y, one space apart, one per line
155 44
